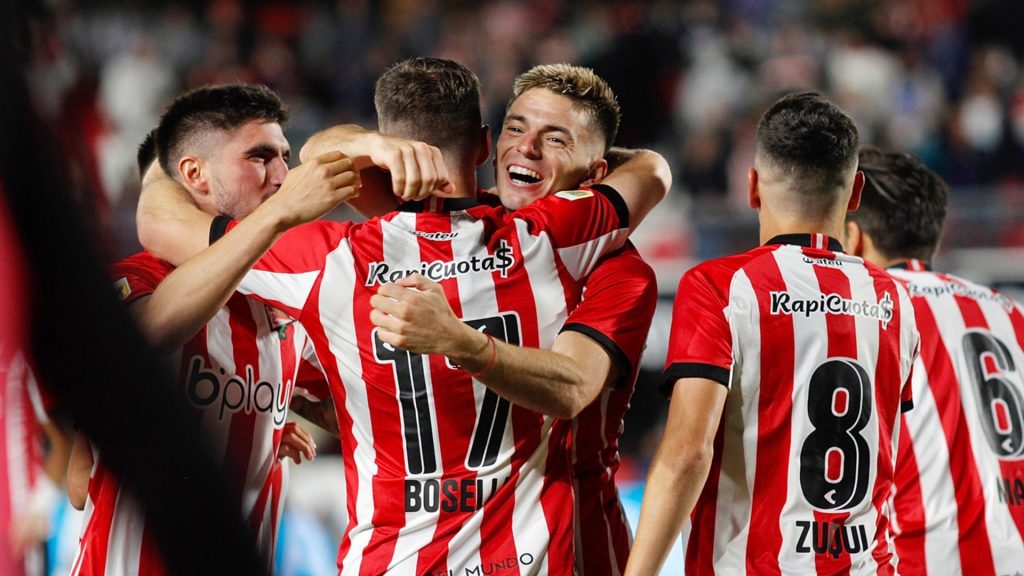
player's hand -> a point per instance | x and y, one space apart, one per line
413 314
314 188
296 443
417 169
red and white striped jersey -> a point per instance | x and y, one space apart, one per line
959 502
21 454
238 372
616 311
816 349
442 475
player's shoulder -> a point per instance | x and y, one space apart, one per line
627 260
565 202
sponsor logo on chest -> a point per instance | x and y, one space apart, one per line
788 304
229 393
501 262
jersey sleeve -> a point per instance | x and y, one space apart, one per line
618 304
700 341
285 275
138 276
583 225
910 342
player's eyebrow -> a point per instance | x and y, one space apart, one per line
265 149
545 128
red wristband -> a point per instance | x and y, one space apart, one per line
490 363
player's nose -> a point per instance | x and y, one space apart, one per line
529 145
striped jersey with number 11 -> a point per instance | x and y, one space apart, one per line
443 476
959 504
816 349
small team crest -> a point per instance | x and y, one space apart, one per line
574 194
123 289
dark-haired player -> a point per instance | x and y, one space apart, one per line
959 505
788 368
239 358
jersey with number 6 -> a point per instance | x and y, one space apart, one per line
444 476
816 349
959 505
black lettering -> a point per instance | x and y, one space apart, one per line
233 383
820 547
801 543
195 378
450 495
466 496
526 558
413 501
851 543
1018 491
431 495
266 389
863 537
835 541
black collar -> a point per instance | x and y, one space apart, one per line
451 204
820 241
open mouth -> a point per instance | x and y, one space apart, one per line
523 176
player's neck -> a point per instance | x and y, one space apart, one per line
772 227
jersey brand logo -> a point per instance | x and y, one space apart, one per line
574 194
786 303
233 393
829 262
501 261
436 236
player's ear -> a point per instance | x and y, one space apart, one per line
193 174
598 170
484 148
858 186
753 193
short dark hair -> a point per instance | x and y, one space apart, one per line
588 91
810 140
903 205
147 152
432 100
221 107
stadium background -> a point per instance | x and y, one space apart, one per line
943 79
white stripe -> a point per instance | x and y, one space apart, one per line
292 290
220 356
580 259
126 530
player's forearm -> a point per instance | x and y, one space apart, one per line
642 178
545 381
375 196
193 293
79 470
670 493
320 413
170 225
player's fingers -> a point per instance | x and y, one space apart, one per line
427 169
328 157
443 183
413 177
385 322
383 303
396 166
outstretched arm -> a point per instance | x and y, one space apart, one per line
188 297
678 471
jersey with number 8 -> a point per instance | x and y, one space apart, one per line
816 350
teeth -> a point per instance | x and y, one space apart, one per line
521 174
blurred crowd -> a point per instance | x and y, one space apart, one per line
940 78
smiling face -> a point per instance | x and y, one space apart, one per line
247 166
546 145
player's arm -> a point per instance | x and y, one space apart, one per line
320 413
414 314
190 295
641 177
79 470
416 169
678 471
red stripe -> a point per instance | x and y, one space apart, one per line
908 505
842 343
246 355
888 382
103 489
774 421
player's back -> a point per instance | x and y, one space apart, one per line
959 505
444 474
816 348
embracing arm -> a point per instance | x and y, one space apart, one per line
413 314
641 177
79 470
188 297
678 471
